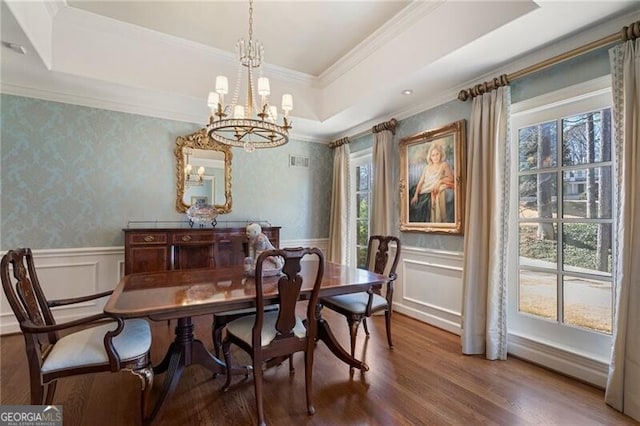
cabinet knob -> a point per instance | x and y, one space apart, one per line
186 238
149 238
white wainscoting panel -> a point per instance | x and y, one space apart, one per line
429 287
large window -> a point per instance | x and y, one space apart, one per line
361 179
561 160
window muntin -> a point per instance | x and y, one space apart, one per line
565 201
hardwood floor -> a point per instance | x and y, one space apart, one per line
424 380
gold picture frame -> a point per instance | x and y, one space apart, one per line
439 181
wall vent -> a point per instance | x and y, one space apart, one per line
298 161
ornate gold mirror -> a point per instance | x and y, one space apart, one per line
203 172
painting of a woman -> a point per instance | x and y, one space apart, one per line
432 176
432 198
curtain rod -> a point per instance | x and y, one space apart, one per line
387 125
630 32
339 142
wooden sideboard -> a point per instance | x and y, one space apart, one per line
163 249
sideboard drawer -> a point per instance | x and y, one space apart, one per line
147 238
188 237
163 249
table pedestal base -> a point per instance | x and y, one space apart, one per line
184 351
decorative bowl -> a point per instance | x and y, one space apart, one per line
202 214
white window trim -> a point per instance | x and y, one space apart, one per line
594 94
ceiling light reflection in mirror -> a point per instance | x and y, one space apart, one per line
205 182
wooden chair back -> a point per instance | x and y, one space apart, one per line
287 333
26 298
288 286
40 330
378 260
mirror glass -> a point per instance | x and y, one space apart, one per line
203 172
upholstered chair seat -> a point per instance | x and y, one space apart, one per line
243 328
86 347
357 302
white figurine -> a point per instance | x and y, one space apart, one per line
258 242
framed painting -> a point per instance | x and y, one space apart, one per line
432 178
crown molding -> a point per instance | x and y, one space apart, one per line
108 26
148 109
387 32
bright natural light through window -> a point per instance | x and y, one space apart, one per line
562 290
361 184
565 201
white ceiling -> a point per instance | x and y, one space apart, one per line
345 62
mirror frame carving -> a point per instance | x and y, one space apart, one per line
200 140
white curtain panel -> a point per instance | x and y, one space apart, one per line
382 198
338 251
484 328
623 384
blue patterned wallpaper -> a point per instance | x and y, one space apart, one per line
74 176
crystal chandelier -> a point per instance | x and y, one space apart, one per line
248 124
190 178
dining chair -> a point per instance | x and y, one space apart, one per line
272 335
357 307
235 255
88 345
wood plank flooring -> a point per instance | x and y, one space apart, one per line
424 380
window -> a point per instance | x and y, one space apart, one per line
562 186
361 181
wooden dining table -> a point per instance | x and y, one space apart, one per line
183 294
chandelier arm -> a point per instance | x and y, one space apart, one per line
246 131
267 135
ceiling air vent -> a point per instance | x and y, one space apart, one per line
298 161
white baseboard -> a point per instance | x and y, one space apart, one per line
571 364
431 319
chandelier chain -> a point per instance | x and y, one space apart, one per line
250 21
